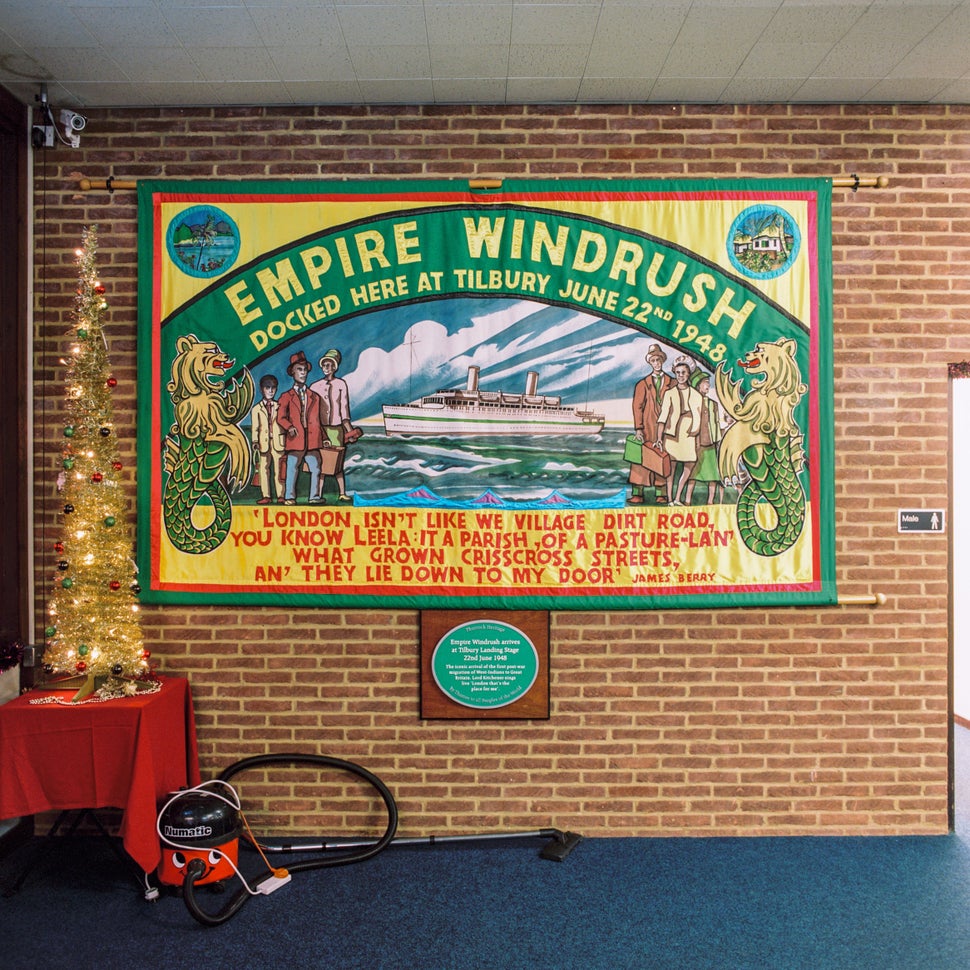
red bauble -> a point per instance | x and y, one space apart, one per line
114 584
80 666
117 466
146 654
97 477
112 382
58 547
99 289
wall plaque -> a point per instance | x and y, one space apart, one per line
484 664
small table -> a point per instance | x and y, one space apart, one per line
126 753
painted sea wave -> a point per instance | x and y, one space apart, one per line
503 472
426 498
517 472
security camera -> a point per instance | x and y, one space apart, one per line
73 121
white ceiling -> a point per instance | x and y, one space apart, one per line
101 53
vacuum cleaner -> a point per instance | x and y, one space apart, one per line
200 830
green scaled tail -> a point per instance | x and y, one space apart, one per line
775 481
194 475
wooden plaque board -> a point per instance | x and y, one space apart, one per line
480 668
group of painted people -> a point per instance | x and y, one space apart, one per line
294 431
674 414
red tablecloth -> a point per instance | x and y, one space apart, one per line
126 753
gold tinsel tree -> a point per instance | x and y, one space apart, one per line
93 624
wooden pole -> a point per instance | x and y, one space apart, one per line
111 184
867 599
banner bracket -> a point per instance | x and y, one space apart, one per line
484 185
865 599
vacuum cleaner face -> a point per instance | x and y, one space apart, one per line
197 825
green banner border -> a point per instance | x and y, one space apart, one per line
512 193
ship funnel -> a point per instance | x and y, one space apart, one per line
531 383
473 378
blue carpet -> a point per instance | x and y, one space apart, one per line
731 904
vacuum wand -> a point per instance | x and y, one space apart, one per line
561 844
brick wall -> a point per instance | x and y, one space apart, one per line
752 721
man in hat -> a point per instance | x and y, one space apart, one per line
335 415
648 395
299 417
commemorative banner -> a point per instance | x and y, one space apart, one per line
542 396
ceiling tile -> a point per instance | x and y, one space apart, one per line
157 64
703 50
311 63
615 89
640 28
34 25
540 60
847 90
762 90
141 26
249 92
956 92
690 89
79 64
374 26
905 89
418 91
399 61
297 25
224 63
813 22
324 92
703 60
775 60
555 24
214 27
730 26
469 90
542 90
469 24
487 61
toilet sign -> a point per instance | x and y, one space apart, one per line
922 520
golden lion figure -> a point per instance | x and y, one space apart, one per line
206 454
765 444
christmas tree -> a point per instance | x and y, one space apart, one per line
93 624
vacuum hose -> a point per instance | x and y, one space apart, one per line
196 868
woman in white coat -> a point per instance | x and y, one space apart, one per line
678 428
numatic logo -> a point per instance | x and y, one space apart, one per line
199 832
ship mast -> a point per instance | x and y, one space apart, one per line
411 341
589 370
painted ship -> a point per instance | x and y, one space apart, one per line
471 411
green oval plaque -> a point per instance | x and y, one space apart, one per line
485 664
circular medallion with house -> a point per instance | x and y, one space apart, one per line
763 242
202 241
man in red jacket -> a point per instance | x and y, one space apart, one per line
299 417
648 397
